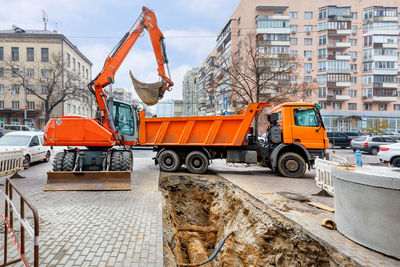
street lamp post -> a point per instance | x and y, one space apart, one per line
25 97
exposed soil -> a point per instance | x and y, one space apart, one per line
199 211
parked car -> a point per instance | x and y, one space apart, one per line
371 144
31 143
13 128
338 139
353 135
390 154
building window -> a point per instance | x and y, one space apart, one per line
322 79
45 54
354 15
322 14
352 106
307 28
15 89
30 54
1 72
293 28
353 42
308 41
308 67
308 15
68 108
353 67
337 92
353 79
322 26
14 53
30 89
45 90
79 68
337 105
73 64
322 40
322 105
1 53
293 53
322 92
87 73
15 121
293 15
45 73
1 88
15 104
30 73
382 107
68 60
367 79
74 109
308 54
31 105
367 106
322 53
307 79
367 92
396 107
1 104
293 41
322 66
353 54
352 92
368 40
14 72
83 71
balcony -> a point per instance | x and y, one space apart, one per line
342 45
385 85
384 99
394 18
338 84
339 32
338 97
282 30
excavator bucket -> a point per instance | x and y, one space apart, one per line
88 180
149 93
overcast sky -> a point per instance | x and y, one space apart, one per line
190 28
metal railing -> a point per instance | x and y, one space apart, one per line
25 227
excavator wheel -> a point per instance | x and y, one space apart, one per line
126 161
58 161
69 161
116 161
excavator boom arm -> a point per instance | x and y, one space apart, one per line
147 20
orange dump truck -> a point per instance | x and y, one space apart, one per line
295 137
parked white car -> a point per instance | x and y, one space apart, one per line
390 153
31 143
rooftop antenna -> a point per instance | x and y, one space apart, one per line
45 19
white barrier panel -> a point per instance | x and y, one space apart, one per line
323 174
11 162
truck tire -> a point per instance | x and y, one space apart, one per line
291 165
58 161
169 161
126 161
196 162
69 162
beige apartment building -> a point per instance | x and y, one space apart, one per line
349 49
31 54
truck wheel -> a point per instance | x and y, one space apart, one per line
126 161
69 161
116 161
291 165
169 161
196 162
58 161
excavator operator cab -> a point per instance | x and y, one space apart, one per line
125 119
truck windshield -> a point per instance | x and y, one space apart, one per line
123 118
305 117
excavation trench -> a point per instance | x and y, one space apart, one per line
200 211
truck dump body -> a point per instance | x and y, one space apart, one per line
197 131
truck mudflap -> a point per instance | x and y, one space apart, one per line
88 180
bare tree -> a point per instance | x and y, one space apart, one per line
50 82
256 74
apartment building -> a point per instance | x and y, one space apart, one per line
120 94
190 93
31 54
349 49
169 108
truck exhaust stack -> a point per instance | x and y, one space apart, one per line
149 93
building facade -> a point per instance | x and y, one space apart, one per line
120 94
169 108
190 93
27 60
349 49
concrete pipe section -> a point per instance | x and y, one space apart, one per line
367 207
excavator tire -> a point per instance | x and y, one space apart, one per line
126 161
116 161
69 161
58 161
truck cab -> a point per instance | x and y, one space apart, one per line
296 136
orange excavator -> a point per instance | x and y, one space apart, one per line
105 161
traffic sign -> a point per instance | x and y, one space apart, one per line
364 117
26 107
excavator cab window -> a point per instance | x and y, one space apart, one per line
123 119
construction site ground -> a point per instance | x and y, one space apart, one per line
272 222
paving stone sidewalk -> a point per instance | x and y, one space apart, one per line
262 183
83 228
